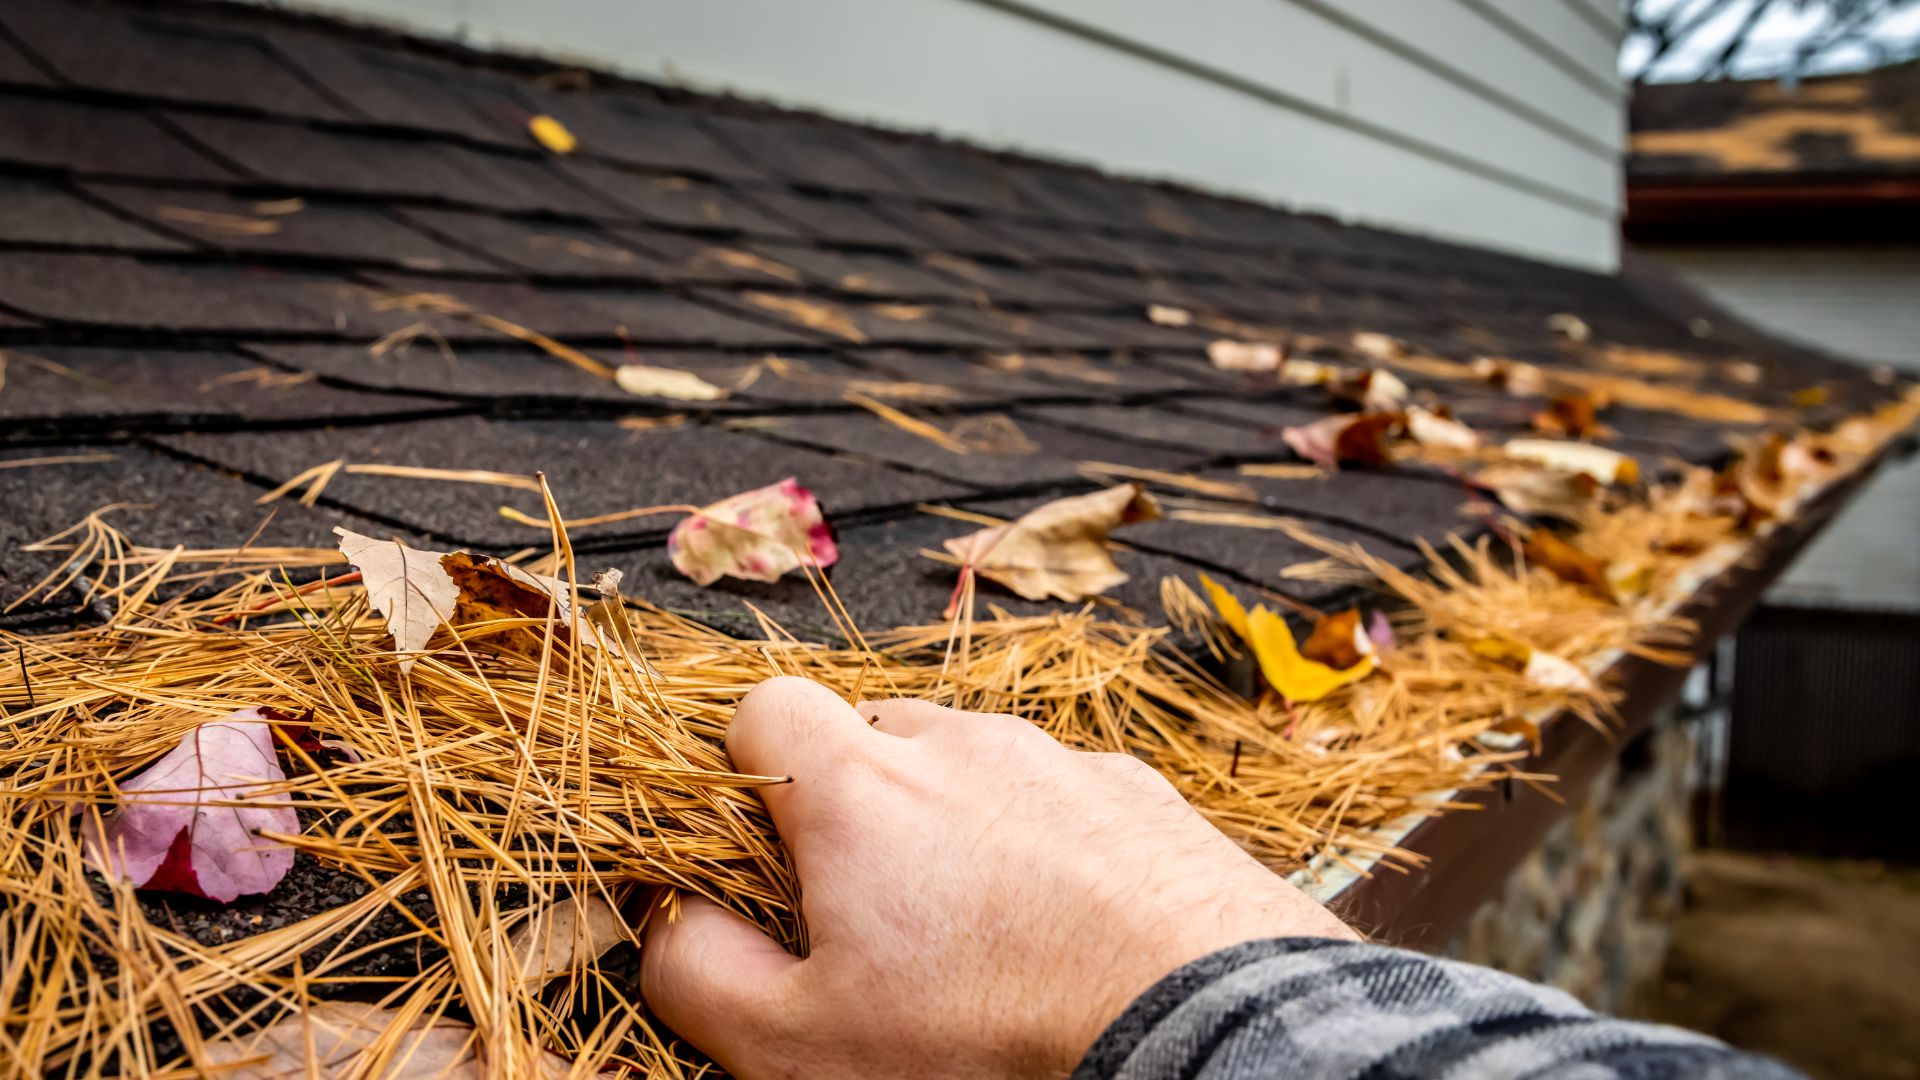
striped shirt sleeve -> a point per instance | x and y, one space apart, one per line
1315 1008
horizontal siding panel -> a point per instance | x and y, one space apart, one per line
1857 301
974 70
1869 558
1289 47
1467 39
1608 19
1569 32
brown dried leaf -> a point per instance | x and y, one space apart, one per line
1575 415
1568 563
1338 640
1328 442
406 585
1058 550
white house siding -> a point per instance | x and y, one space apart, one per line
1497 122
1857 301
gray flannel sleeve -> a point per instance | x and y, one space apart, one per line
1308 1007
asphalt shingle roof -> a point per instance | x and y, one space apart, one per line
205 212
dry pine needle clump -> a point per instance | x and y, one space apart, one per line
491 818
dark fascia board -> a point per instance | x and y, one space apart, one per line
1861 209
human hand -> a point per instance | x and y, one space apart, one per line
980 900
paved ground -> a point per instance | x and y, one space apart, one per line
1817 963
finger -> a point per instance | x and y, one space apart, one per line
907 717
720 983
793 727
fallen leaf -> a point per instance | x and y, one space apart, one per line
1058 550
1379 346
1514 376
1525 488
1537 666
1627 579
757 535
1371 390
1254 356
560 938
1570 326
170 831
1568 563
1338 640
406 585
1291 673
1168 315
1575 415
488 589
1380 632
1232 611
552 134
1430 428
1603 465
645 380
341 1040
1307 373
1347 437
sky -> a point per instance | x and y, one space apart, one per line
1772 40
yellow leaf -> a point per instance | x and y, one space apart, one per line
1232 611
1058 550
1297 678
552 134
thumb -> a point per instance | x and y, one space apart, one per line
720 983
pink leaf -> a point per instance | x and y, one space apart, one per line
758 535
173 829
1315 441
1380 632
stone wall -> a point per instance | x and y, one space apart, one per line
1589 911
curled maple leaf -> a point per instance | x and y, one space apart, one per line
181 824
1057 551
757 535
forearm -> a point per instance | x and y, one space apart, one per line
1306 1007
